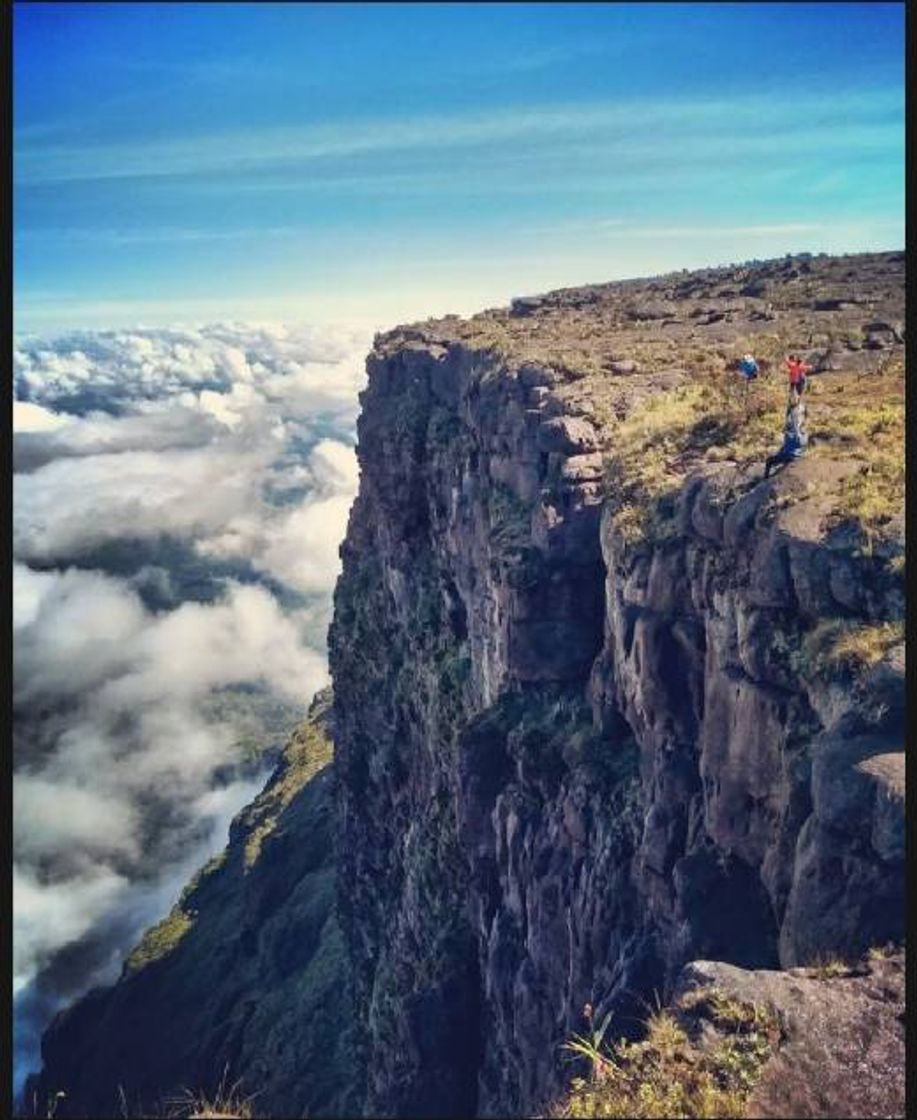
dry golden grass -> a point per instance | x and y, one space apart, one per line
671 433
227 1103
666 1075
826 966
844 645
716 417
862 416
221 1108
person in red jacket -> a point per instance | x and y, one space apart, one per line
797 369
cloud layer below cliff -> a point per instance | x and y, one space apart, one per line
179 496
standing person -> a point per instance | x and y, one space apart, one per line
795 437
748 368
797 370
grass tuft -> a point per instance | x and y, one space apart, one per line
837 646
160 939
827 966
227 1103
666 1075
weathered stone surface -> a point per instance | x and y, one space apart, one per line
847 886
843 1048
525 305
624 365
651 309
567 435
582 468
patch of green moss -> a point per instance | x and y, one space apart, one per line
510 519
160 940
307 752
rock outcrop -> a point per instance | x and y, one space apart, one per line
842 1048
606 701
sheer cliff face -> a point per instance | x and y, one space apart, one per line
572 757
460 645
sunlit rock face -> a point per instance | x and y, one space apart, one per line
570 761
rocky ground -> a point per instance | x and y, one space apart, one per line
804 1042
842 1045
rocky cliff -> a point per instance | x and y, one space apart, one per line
606 700
244 979
589 725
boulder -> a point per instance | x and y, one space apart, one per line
567 435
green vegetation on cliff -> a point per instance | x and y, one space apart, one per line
244 984
668 1074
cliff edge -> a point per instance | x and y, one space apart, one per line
606 700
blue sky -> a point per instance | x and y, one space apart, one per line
366 163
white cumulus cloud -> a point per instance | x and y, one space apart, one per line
179 499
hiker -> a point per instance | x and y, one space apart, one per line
748 367
795 437
797 369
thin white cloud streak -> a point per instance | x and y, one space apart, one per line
615 228
152 236
614 125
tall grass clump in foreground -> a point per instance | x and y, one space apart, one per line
666 1074
227 1103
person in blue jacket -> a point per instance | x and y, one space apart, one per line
795 437
748 367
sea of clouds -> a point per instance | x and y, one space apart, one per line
179 498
